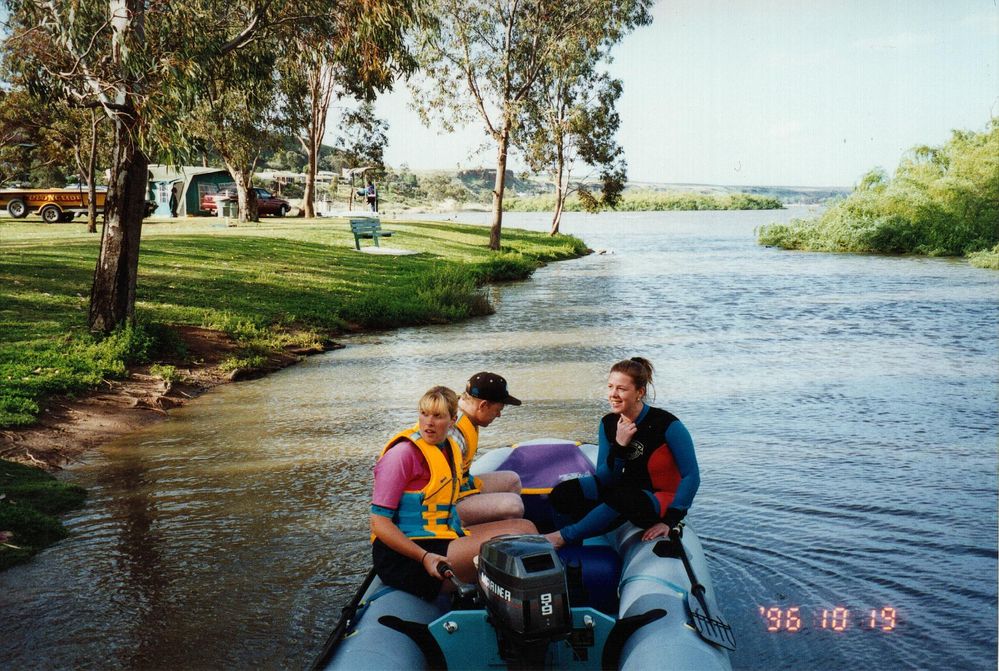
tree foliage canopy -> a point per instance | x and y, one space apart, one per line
488 60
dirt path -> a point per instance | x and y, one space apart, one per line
68 427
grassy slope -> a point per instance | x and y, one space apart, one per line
257 282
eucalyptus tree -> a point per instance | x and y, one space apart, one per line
484 58
572 120
362 138
571 124
363 54
237 115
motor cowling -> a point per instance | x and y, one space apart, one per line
523 586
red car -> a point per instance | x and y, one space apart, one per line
267 203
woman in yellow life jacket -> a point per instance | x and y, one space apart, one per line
414 518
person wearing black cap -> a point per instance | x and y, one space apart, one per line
490 496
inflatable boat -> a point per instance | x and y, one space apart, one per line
614 602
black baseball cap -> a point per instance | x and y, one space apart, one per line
490 387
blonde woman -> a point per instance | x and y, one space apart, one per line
414 518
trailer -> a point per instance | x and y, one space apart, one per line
53 205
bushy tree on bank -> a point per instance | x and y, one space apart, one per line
574 124
363 55
942 201
483 60
236 114
48 142
571 121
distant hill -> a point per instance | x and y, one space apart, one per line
478 183
481 180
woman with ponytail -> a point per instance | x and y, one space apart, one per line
646 468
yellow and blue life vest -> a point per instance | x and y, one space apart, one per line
430 512
466 435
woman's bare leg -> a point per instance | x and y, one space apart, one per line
498 499
461 551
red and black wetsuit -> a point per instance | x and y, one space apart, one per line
653 478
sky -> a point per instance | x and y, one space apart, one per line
772 92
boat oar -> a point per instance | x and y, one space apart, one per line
711 627
346 619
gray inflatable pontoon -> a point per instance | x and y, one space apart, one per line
614 602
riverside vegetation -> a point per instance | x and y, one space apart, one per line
30 499
942 201
653 201
268 287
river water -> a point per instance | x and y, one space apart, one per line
844 410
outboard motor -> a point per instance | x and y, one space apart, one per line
523 586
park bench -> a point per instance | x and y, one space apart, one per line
367 227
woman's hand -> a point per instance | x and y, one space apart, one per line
658 530
555 538
626 429
430 562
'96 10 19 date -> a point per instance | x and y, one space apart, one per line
793 619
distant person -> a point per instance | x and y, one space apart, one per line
647 472
414 522
173 201
490 496
372 195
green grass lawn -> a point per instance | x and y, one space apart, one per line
279 282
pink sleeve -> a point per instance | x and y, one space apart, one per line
394 471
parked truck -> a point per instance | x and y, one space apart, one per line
56 205
53 205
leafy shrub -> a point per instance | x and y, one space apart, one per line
237 327
449 292
942 201
505 267
236 362
164 372
987 258
16 410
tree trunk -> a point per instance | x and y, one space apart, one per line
308 199
245 193
91 169
112 296
495 229
557 218
320 94
560 189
